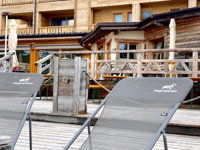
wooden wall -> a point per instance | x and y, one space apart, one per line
187 33
161 7
70 88
82 15
45 20
107 14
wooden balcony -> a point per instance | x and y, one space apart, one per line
15 2
42 30
20 31
55 29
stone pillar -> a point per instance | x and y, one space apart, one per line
136 12
192 3
82 15
37 15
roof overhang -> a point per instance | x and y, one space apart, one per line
103 29
163 19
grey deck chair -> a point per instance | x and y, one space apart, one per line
136 113
16 90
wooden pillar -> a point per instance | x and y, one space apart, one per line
77 79
136 12
92 65
139 62
34 54
195 64
192 3
82 10
59 54
87 84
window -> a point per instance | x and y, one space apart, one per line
123 47
159 45
118 18
129 17
69 19
132 55
58 22
128 46
100 55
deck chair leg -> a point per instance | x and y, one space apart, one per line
30 132
23 121
89 128
165 139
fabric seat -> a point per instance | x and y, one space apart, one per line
136 113
16 90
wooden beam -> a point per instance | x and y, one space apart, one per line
116 32
129 51
195 65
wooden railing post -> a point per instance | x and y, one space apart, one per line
55 85
10 63
39 68
195 64
51 67
77 79
139 63
92 65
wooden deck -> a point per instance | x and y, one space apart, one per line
51 136
188 117
54 136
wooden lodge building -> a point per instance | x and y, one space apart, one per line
98 25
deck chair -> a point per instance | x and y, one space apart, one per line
136 113
16 90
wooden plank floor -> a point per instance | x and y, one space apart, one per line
189 117
54 136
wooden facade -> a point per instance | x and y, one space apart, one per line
55 22
80 15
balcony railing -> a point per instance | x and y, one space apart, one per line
15 2
20 31
44 1
55 29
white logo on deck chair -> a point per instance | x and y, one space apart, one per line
167 88
24 81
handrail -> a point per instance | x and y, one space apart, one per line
140 65
128 51
20 31
55 29
43 1
4 58
87 123
11 2
39 63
